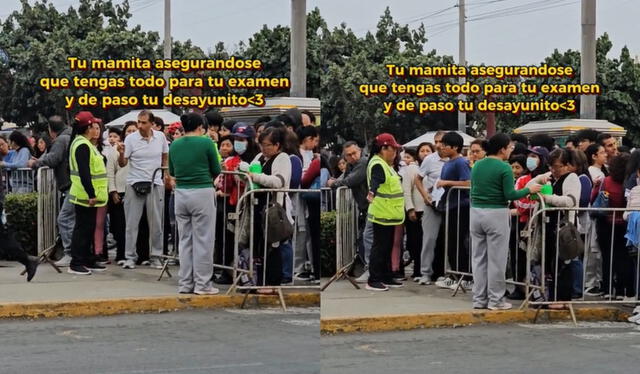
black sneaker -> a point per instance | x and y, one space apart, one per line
32 266
594 291
304 276
393 284
78 269
376 286
96 267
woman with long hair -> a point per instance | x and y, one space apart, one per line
20 180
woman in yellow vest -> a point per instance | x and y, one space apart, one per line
386 210
88 191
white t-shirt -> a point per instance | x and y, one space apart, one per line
430 170
595 173
144 156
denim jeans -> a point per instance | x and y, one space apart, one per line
66 222
286 250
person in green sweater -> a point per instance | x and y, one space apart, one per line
194 164
492 188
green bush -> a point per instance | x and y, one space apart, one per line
22 218
328 243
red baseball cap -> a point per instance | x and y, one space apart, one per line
85 118
386 139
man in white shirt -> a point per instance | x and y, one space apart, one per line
145 151
430 170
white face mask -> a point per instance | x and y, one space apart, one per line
532 163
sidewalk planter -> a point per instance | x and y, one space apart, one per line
22 217
328 243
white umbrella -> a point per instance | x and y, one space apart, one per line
167 116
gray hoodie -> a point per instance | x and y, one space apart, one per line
58 159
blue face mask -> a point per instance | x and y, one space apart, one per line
239 146
532 163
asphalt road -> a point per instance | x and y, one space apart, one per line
559 348
189 342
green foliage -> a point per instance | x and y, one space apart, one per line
327 243
22 218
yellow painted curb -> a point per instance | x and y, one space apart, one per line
457 319
105 307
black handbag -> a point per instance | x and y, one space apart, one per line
142 188
279 228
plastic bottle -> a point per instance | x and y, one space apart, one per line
255 168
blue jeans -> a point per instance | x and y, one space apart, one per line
66 222
576 275
286 249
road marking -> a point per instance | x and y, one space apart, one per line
273 311
175 370
581 325
368 348
302 322
609 336
72 334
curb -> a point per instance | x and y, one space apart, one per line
459 319
106 307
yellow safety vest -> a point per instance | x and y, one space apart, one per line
387 207
77 194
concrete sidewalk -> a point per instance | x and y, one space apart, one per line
346 309
114 291
341 300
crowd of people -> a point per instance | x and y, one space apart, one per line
151 184
489 191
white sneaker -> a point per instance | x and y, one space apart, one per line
128 264
417 279
425 281
121 262
501 306
156 263
64 261
212 291
364 278
467 285
446 283
634 319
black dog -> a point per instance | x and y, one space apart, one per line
12 248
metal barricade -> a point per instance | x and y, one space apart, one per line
328 199
457 264
253 274
227 211
48 208
462 242
18 180
346 236
623 266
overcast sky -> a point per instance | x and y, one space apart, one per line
527 32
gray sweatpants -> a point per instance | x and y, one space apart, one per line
196 218
66 222
593 259
490 229
133 207
431 221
